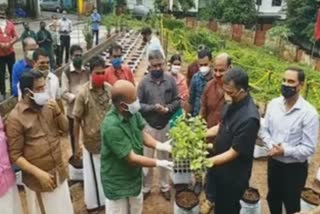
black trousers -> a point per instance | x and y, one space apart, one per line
6 61
210 187
285 183
65 46
57 53
96 33
228 193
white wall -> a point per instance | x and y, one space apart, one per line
267 8
4 1
148 3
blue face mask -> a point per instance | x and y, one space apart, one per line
116 62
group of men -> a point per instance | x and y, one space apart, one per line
123 126
55 41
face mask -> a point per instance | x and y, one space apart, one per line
45 70
41 98
77 63
134 107
116 62
29 54
98 79
175 69
156 74
204 69
288 91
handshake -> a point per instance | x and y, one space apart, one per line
164 147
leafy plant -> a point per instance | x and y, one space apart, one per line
88 37
238 11
281 33
212 11
189 142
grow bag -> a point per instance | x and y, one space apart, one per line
309 199
186 202
75 174
250 203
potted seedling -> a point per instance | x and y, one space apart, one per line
88 37
189 146
250 202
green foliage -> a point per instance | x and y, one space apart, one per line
238 11
189 142
186 5
212 11
161 5
301 17
172 24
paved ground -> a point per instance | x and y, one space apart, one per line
76 36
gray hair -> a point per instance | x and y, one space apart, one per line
226 57
155 54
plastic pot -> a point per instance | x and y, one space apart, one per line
250 202
186 202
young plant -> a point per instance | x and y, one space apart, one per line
189 142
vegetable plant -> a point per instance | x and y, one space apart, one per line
189 142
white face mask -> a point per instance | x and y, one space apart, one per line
134 107
29 54
204 69
41 98
175 69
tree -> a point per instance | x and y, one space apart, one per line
186 5
212 11
33 8
301 17
238 11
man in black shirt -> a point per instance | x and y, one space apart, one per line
236 136
159 99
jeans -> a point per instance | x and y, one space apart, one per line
96 33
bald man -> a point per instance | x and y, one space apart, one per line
29 45
122 159
212 102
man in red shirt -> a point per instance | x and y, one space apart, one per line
8 36
117 71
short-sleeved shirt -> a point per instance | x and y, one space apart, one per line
113 76
238 130
27 34
120 136
7 36
91 107
18 68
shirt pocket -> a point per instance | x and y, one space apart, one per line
168 95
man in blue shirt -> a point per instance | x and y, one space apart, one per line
199 81
29 45
95 22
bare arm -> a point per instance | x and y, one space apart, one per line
76 131
149 141
225 157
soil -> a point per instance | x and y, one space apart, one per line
251 195
310 196
187 199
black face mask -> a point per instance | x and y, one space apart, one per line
288 91
156 74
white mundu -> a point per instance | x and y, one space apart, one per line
93 191
10 202
55 202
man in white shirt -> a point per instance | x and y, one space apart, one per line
290 130
152 41
41 63
65 29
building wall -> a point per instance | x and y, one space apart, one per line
266 8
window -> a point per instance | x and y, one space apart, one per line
276 3
139 2
258 2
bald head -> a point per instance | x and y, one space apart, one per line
123 91
222 63
29 44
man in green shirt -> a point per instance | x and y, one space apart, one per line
27 32
122 157
45 42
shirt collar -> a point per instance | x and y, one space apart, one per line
73 69
25 64
25 106
297 105
241 103
162 79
